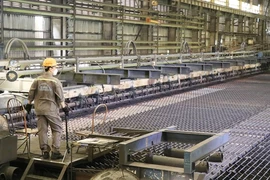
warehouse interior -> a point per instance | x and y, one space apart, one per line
156 89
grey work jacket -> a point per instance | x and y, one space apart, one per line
47 93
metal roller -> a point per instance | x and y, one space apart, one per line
173 152
202 167
12 173
216 157
163 160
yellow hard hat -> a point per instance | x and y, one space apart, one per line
49 62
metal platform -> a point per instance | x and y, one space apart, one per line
36 162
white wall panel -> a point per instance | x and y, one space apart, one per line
21 26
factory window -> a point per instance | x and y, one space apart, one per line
245 6
250 8
234 4
221 2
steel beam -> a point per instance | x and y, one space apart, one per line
198 66
219 64
130 73
249 60
221 8
169 69
137 144
185 136
94 78
205 144
203 148
235 62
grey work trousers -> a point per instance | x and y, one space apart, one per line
55 123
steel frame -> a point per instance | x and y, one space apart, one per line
206 143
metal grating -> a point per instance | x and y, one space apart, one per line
241 105
211 109
247 153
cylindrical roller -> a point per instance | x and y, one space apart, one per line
202 166
173 152
164 160
12 173
216 157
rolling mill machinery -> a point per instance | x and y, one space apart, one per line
113 81
157 89
94 80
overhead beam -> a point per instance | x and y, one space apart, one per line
198 66
169 69
91 78
219 64
129 73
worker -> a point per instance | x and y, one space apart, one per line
47 93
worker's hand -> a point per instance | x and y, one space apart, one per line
66 110
28 107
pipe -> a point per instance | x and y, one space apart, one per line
9 44
164 160
202 166
173 152
94 114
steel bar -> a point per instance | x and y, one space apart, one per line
83 17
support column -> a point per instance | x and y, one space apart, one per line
1 30
70 25
172 37
145 36
107 29
232 35
195 32
57 29
226 39
213 30
172 30
261 32
240 29
251 25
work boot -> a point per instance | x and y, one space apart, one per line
46 155
56 155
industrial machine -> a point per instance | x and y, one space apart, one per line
93 82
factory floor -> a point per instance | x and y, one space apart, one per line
241 105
